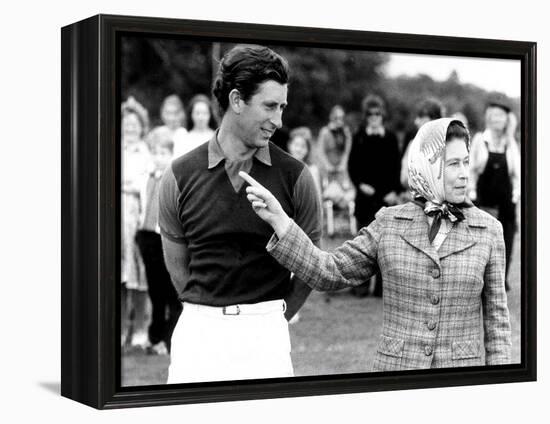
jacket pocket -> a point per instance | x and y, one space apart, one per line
466 349
391 346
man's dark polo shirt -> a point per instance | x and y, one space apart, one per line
204 209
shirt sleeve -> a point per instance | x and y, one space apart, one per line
169 223
308 206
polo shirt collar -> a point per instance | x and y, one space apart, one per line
216 155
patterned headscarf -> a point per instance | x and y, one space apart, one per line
426 174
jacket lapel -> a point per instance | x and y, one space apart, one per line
416 233
460 237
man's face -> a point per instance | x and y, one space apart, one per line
262 114
374 117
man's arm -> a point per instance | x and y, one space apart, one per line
174 245
308 216
176 258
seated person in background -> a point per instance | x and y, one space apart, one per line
333 146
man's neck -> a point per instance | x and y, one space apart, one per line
232 145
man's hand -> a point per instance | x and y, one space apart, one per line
266 205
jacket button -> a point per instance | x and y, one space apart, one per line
435 273
434 299
431 325
428 350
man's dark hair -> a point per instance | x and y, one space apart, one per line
456 129
373 101
244 68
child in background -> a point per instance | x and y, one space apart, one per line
166 307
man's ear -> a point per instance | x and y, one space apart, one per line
235 101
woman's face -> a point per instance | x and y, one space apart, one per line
337 118
172 115
456 169
131 127
298 148
200 115
497 119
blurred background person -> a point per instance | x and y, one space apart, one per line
428 110
172 115
334 146
462 118
300 147
374 170
495 170
165 305
201 127
136 162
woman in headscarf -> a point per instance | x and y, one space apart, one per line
442 261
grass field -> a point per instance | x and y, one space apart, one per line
335 334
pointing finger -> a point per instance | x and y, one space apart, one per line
250 180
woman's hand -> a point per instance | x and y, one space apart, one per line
266 205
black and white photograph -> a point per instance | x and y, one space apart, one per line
286 212
292 211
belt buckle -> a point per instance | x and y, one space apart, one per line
231 310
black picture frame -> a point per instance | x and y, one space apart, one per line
91 212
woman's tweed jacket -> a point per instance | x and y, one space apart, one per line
432 299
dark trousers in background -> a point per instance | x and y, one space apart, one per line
165 305
507 217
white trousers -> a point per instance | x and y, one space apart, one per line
230 343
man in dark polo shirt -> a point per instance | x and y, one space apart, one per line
236 297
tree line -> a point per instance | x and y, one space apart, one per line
153 68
